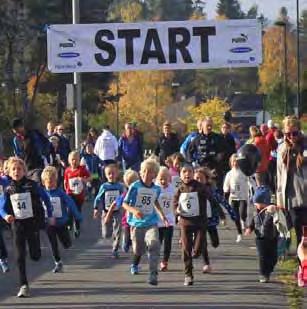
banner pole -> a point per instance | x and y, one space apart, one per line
77 84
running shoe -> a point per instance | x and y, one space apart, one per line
163 266
264 279
4 265
58 268
115 254
153 278
207 269
24 291
134 269
239 238
188 281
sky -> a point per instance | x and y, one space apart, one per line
269 8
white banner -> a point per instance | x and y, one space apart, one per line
154 46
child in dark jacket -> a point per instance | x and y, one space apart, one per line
21 206
266 232
62 204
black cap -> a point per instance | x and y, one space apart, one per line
17 123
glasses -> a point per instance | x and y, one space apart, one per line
292 134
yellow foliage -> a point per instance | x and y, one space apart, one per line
144 95
272 68
214 108
131 12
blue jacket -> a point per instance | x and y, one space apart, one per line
67 206
130 151
185 145
108 193
37 194
93 164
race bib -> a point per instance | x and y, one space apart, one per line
110 197
209 209
75 185
166 202
56 207
145 201
236 189
22 205
189 204
176 181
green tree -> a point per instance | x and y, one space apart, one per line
230 9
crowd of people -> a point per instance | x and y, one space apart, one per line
140 200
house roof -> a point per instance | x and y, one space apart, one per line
246 102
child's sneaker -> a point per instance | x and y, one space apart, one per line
153 278
163 266
24 291
239 238
77 233
58 268
264 279
207 269
134 269
4 265
115 254
188 281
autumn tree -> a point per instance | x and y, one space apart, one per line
214 108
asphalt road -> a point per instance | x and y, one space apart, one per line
92 279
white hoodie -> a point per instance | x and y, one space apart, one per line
106 147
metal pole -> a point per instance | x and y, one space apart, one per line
117 107
286 70
77 83
156 108
298 68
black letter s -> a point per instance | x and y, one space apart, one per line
109 48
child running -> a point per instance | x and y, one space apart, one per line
21 207
129 177
75 178
107 195
176 161
166 202
236 187
62 204
266 232
143 207
214 213
190 202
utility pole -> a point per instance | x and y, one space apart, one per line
298 72
77 83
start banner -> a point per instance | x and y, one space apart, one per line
173 45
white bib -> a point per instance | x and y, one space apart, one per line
110 197
176 181
22 205
166 202
209 209
189 204
236 189
56 207
145 201
75 185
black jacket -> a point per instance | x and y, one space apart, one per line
167 146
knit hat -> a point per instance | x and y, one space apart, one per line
262 196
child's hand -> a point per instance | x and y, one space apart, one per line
138 214
96 214
177 211
165 222
247 232
9 219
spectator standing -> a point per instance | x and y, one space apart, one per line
106 147
130 148
168 143
229 146
50 128
290 176
64 144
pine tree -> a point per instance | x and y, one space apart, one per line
230 9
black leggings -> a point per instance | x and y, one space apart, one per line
25 232
58 232
240 209
215 242
166 235
3 251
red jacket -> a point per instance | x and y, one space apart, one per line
264 148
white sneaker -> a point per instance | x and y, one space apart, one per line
207 269
239 238
24 291
188 281
58 268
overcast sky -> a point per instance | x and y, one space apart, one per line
269 8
